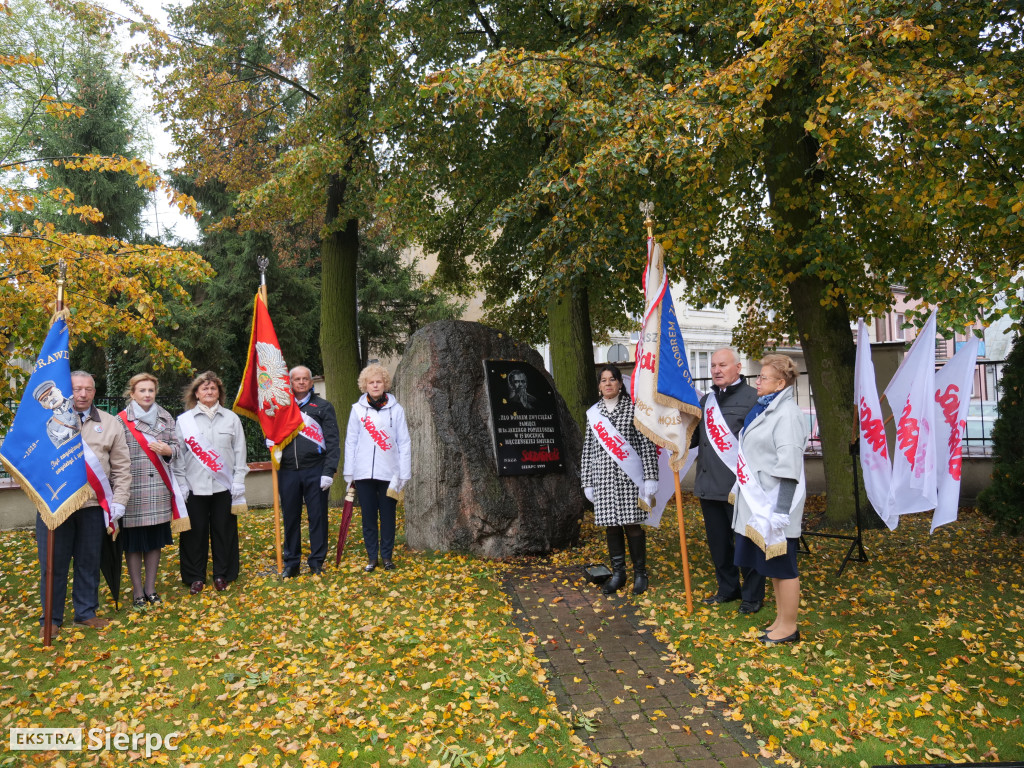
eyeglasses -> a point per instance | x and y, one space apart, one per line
767 378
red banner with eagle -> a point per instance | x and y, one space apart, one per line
265 393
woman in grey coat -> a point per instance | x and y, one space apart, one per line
769 510
146 526
616 497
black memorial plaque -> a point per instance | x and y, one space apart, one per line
524 419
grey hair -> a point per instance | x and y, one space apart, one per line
735 354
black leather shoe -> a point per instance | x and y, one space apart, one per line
794 638
388 565
719 599
751 607
291 572
316 570
370 567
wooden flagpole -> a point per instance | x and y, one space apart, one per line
648 208
263 263
51 536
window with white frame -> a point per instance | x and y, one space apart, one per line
700 364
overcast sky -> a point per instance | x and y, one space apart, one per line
160 216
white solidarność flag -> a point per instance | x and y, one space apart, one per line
874 452
953 386
911 396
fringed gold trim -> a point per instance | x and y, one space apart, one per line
279 448
770 550
52 519
655 438
248 360
678 455
775 550
244 412
755 536
181 525
61 314
732 498
392 493
642 504
239 509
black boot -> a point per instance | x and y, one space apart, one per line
637 538
617 554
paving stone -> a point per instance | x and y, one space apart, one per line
660 757
740 762
613 744
694 752
605 645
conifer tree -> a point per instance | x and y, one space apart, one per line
1003 500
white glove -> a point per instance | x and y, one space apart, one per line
116 511
237 490
398 483
270 443
326 481
589 493
777 520
650 488
348 480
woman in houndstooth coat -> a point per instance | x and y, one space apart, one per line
146 526
613 494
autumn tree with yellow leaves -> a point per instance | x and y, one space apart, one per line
117 290
803 155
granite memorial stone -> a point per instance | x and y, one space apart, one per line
456 499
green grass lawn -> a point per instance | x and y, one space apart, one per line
913 657
419 666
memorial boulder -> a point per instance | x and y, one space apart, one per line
495 452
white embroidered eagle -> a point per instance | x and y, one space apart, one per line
272 379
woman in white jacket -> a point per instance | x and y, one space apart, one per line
770 504
378 460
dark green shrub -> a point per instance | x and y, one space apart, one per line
1003 500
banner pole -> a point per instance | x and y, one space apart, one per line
647 208
682 545
273 469
51 536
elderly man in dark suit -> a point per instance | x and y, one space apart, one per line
724 410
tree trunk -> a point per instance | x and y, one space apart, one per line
339 344
831 355
823 328
572 351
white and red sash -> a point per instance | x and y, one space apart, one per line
100 485
621 452
724 443
179 515
311 431
380 438
772 541
207 457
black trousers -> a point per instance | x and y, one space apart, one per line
721 543
374 504
212 523
79 537
295 487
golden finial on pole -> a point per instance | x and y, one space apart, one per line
647 209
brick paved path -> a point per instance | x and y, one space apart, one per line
601 660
